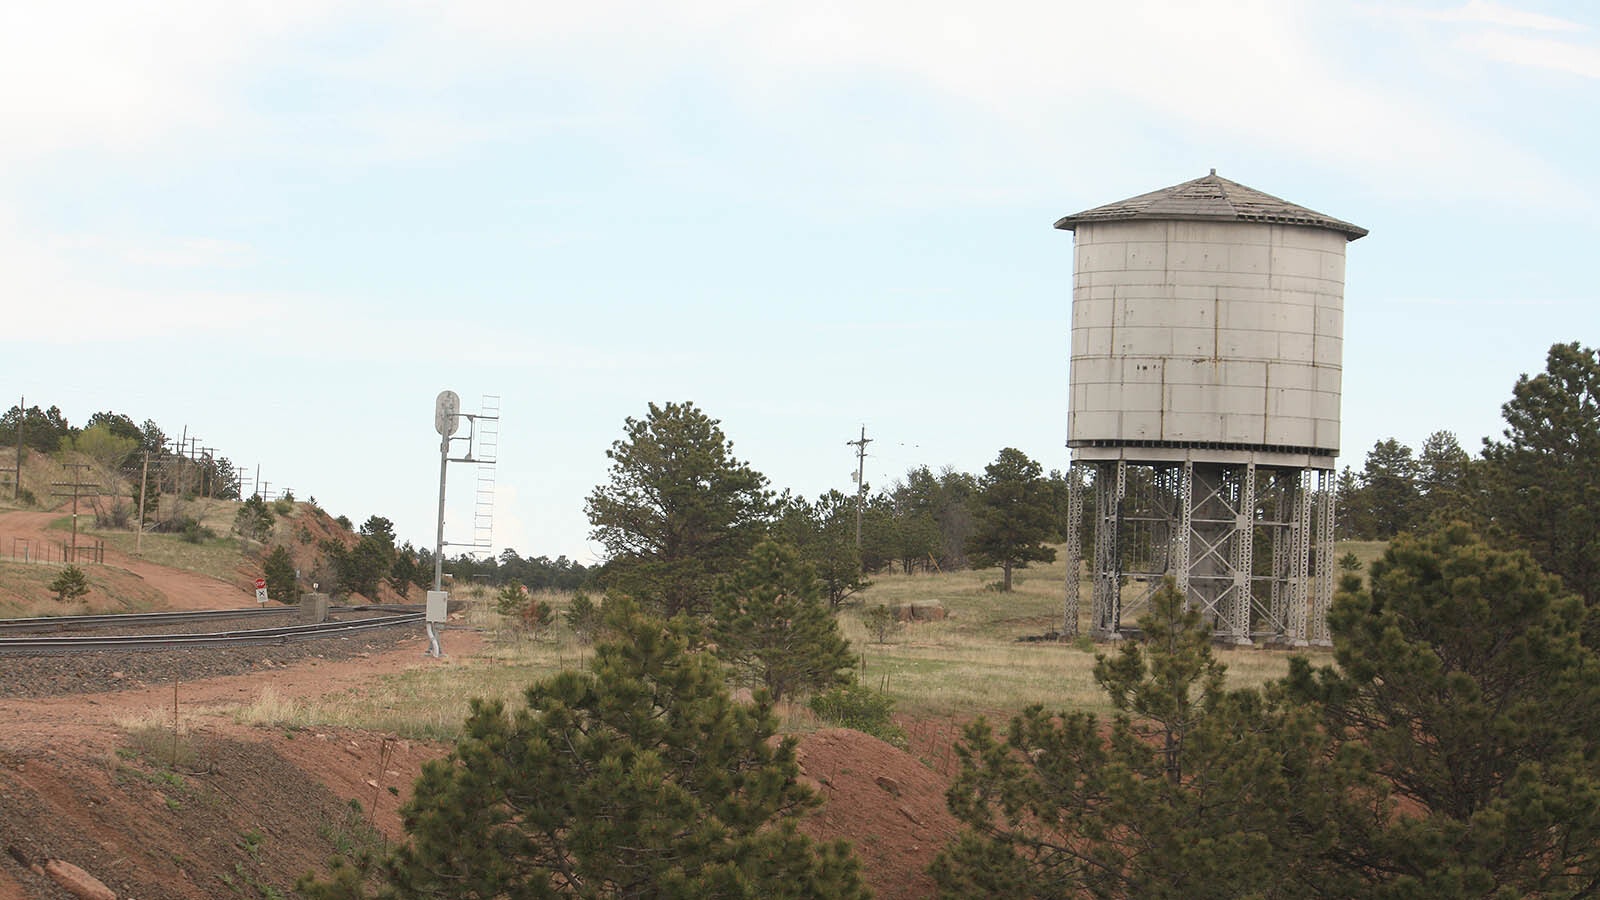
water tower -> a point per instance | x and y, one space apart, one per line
1207 337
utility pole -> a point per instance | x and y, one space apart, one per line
181 447
208 454
77 486
144 488
22 419
861 471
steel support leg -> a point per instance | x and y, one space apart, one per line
1111 485
1322 589
1069 616
1238 610
1299 563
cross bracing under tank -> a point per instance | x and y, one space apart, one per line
1248 544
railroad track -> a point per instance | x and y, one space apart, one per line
51 644
123 620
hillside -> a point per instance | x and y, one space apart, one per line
188 558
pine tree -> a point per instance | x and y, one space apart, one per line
279 571
1462 680
1442 482
1389 488
642 778
70 584
824 534
880 621
1542 482
772 624
1013 516
253 521
679 512
583 617
1193 791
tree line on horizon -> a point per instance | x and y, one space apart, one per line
1536 487
151 462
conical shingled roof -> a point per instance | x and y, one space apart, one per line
1211 198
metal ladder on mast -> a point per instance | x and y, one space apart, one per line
485 453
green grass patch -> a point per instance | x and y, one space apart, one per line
25 591
1366 551
218 557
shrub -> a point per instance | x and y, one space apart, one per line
511 599
861 708
537 617
116 514
195 533
70 584
881 622
280 574
583 617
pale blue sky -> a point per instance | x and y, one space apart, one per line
289 225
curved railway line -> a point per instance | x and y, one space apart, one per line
21 636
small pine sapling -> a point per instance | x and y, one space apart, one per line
881 621
70 584
538 617
583 617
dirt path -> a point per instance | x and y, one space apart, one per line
180 589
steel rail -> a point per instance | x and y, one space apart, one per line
66 623
251 637
111 620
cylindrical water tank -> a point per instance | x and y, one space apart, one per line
1207 324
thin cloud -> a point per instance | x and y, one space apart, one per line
1538 53
1502 36
1482 302
124 81
191 253
55 299
1480 13
121 77
1201 68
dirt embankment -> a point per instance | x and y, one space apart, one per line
88 778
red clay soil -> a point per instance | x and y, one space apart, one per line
882 800
254 808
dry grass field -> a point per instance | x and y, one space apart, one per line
969 663
216 555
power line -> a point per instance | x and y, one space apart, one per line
77 484
861 471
